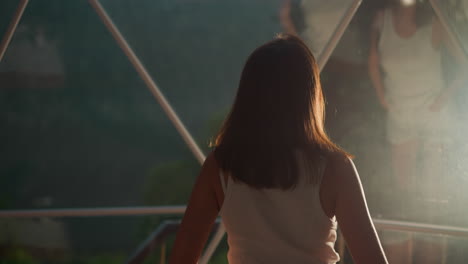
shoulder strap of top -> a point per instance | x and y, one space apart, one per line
223 182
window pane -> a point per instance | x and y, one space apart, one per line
456 14
408 149
80 127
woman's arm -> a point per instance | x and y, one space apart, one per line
352 214
375 73
201 213
285 18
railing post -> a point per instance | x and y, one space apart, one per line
218 236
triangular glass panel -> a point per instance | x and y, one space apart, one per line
80 127
386 85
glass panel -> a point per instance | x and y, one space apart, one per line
408 147
6 14
195 49
456 14
320 19
76 113
420 248
80 127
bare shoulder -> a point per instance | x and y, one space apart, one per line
209 171
341 171
338 166
210 167
211 160
212 173
339 162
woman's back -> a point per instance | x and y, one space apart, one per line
290 222
276 211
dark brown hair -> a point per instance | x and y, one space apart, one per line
279 109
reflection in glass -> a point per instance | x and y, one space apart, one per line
314 20
456 14
407 145
32 59
195 50
81 127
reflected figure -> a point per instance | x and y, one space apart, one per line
406 71
277 180
312 20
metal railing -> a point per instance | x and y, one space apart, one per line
380 224
92 212
155 240
157 237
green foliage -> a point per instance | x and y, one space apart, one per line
171 183
108 258
18 256
4 202
167 184
219 258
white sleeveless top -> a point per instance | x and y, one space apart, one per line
275 226
412 66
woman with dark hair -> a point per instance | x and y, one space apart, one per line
277 180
